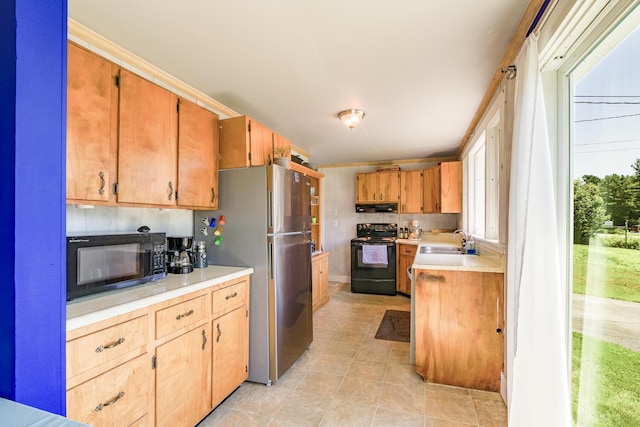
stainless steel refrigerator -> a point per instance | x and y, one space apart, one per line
267 227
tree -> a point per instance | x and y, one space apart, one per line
636 167
589 213
620 193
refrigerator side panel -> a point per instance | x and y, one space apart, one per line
242 201
288 200
291 332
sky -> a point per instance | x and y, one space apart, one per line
609 144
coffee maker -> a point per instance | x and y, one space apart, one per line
180 257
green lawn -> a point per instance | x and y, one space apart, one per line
618 268
610 393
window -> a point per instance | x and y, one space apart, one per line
481 184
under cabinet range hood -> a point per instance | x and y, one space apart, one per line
377 207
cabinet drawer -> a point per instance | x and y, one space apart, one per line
117 397
230 297
93 350
178 316
408 250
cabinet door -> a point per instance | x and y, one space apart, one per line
367 188
316 271
261 139
324 280
458 314
389 186
411 192
183 372
92 126
451 187
197 157
431 190
230 353
147 147
406 254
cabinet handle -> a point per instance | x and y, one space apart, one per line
374 196
219 332
431 277
233 295
381 197
213 195
109 403
102 183
171 191
188 313
204 339
113 344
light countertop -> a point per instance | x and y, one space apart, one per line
87 310
480 263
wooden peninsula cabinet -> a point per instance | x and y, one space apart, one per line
166 364
459 323
378 187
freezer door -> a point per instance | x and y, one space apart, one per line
288 199
290 307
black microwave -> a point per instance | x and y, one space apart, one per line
104 262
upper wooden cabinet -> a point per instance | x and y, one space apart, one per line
442 188
92 126
148 142
410 192
378 187
244 142
197 157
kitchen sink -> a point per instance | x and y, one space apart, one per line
450 250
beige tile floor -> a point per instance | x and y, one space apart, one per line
349 378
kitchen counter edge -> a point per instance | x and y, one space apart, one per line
89 310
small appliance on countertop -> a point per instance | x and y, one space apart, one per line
98 263
180 257
201 254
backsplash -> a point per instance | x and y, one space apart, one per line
108 219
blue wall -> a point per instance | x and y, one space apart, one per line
33 61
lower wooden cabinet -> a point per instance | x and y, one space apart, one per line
168 364
230 353
320 280
183 388
459 323
406 254
117 397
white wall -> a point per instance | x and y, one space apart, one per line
107 219
340 218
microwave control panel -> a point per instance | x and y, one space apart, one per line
159 265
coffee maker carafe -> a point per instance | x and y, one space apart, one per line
180 257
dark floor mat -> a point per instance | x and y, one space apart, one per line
395 326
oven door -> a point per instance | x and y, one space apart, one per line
373 267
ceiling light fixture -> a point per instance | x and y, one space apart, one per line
351 118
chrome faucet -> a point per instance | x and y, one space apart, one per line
465 237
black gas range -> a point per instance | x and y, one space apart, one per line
373 259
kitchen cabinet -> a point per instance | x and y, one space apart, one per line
410 192
148 142
320 280
197 157
459 323
183 385
108 372
404 261
230 340
168 363
315 200
378 187
442 187
244 142
92 127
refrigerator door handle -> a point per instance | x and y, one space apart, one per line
270 209
270 266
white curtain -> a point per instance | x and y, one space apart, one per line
537 371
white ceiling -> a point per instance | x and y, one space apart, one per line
418 68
